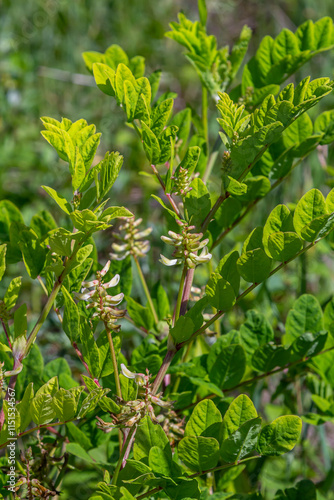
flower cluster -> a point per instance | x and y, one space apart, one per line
99 299
132 241
187 246
182 182
133 411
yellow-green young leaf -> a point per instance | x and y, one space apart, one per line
241 442
92 57
279 219
298 131
254 266
64 405
205 420
115 55
80 257
182 120
240 411
280 436
150 144
305 316
8 214
160 115
91 401
330 201
143 108
229 367
147 436
42 411
166 139
284 246
130 100
77 168
199 453
51 387
257 187
123 73
104 78
3 249
24 407
220 292
59 199
310 215
109 170
115 213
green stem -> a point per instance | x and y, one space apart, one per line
180 295
114 362
202 473
243 294
259 377
123 451
146 290
37 428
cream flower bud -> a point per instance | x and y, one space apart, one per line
170 262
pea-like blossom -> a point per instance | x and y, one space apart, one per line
132 242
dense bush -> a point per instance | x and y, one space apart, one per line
215 379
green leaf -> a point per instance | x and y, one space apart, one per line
229 367
64 405
254 266
304 489
160 462
130 100
227 268
90 352
234 187
255 331
115 213
240 411
241 442
182 120
104 77
269 356
42 411
205 420
3 249
33 253
284 246
324 126
305 316
310 215
59 199
197 202
147 436
56 368
220 292
186 325
71 318
20 321
8 213
77 435
199 453
308 344
279 220
76 450
142 316
24 407
280 436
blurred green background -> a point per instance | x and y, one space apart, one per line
42 73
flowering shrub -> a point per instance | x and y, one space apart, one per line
166 415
